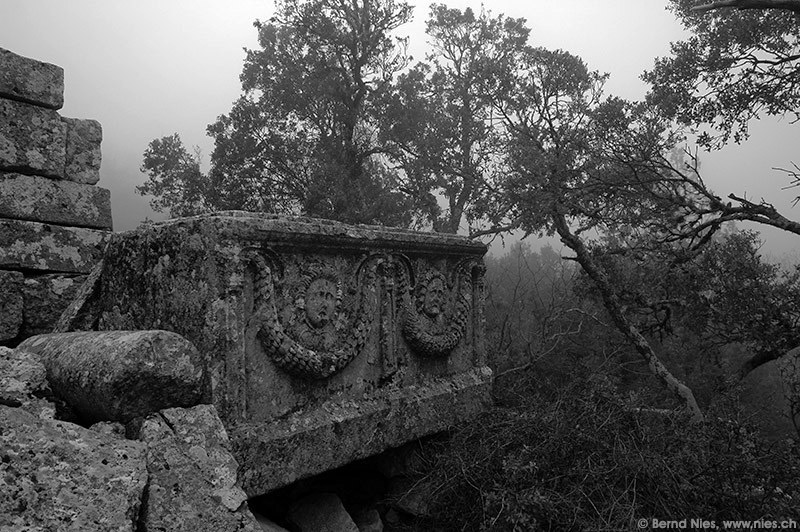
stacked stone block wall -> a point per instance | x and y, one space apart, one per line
54 221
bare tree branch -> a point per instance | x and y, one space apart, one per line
789 5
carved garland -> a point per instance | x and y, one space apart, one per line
416 328
287 353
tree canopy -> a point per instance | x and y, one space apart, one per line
441 127
301 138
736 65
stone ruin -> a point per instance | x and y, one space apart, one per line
325 342
209 360
53 221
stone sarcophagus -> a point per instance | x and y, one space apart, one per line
325 342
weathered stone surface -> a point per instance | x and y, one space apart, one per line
31 81
317 331
369 521
45 297
32 139
56 476
267 525
39 199
23 383
110 428
343 430
83 155
192 475
38 246
10 304
119 375
321 512
80 314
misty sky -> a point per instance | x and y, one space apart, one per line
150 68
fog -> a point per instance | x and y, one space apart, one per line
150 68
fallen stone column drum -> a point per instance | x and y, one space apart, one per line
325 342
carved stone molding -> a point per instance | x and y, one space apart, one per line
317 318
427 327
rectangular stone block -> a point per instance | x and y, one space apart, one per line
32 139
83 154
45 297
318 334
40 199
37 246
31 81
10 304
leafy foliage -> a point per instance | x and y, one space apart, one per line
176 181
735 66
734 296
441 127
581 164
302 136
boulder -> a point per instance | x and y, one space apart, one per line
110 428
31 81
193 485
62 477
321 512
23 382
40 199
120 375
10 304
32 139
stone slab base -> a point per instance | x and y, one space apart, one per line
272 455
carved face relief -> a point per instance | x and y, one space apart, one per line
320 302
434 297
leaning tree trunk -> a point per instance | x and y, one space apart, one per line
614 308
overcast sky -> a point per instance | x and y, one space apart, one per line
150 68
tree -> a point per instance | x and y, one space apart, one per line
581 164
176 181
741 62
733 296
724 294
738 65
440 124
302 137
